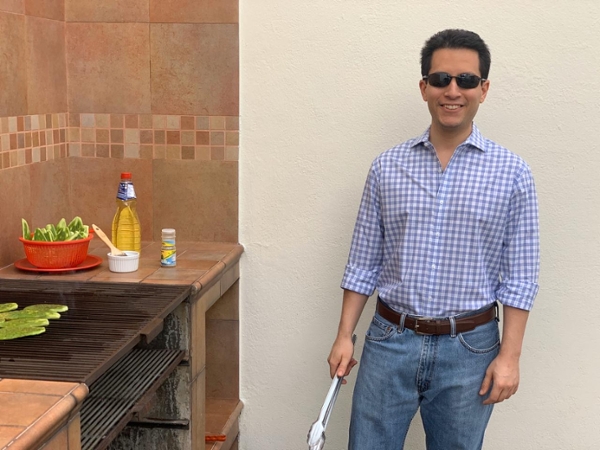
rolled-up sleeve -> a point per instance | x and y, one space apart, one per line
366 252
520 263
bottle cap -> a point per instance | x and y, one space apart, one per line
126 175
168 232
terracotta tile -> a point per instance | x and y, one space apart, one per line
13 70
160 151
74 134
203 153
117 151
111 11
75 149
12 413
48 9
194 69
49 193
102 150
109 67
232 138
217 153
74 432
146 121
194 11
222 361
36 387
103 120
202 137
232 123
173 152
74 120
202 123
173 137
20 140
188 152
117 120
116 136
132 150
89 121
217 138
59 442
88 150
132 136
146 137
173 122
160 137
103 136
88 134
146 151
232 153
188 123
131 121
14 6
15 201
104 175
188 138
209 188
217 123
159 121
20 123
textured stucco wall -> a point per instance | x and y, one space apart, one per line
325 87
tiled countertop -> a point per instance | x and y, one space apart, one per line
198 264
33 410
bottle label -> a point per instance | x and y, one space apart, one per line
168 253
126 191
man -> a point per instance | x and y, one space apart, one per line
447 226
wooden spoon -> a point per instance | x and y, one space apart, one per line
113 250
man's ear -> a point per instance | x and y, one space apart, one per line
423 87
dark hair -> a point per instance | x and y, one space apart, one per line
456 39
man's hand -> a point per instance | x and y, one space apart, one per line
502 375
340 358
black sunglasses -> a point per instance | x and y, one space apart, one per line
443 79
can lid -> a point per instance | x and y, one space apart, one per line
126 175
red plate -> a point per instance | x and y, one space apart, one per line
89 262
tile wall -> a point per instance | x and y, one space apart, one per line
117 83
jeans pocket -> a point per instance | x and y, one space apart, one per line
483 339
379 331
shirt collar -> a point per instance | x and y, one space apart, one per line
475 139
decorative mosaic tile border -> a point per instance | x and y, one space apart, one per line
37 138
32 139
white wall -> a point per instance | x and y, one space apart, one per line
325 87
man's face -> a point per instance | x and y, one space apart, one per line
453 108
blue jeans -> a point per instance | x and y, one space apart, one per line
401 371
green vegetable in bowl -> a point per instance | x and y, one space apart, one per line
57 233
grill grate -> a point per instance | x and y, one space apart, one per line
104 322
109 405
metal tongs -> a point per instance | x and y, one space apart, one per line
316 434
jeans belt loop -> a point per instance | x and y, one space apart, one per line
452 326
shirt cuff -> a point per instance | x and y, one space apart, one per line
518 294
359 280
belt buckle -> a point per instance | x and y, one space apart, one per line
417 331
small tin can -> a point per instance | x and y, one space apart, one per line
168 249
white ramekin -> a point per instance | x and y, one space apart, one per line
129 263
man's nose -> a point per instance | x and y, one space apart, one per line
452 89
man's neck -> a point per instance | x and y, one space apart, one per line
445 142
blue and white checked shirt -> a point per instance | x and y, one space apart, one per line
439 243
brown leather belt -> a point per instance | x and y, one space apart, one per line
436 326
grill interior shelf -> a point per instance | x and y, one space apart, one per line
113 397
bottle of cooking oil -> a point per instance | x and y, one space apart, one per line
126 233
